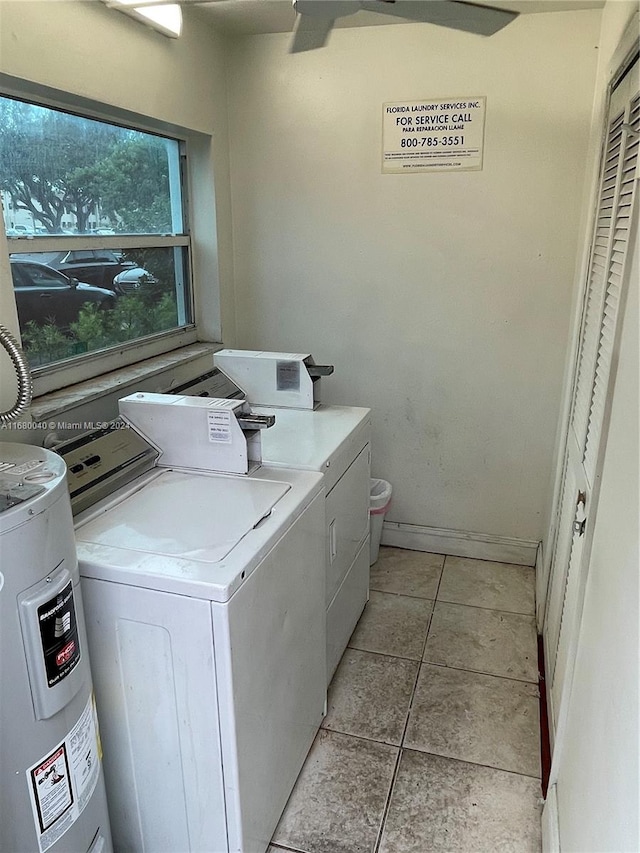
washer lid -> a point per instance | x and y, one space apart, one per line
326 439
193 516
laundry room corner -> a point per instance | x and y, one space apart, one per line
443 299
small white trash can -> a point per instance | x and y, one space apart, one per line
379 501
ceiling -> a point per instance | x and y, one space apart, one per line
249 17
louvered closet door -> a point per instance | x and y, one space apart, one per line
592 383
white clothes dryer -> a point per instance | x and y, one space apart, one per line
312 436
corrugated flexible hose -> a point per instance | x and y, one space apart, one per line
23 374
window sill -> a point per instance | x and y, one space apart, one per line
189 360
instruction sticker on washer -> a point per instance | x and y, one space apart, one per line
219 423
288 376
433 136
61 783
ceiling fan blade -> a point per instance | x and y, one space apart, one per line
458 15
327 8
311 32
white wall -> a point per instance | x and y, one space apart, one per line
90 50
443 299
93 52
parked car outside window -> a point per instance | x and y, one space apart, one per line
100 267
45 295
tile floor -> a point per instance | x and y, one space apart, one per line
431 740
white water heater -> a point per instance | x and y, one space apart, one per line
52 795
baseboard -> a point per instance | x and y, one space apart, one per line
460 543
540 593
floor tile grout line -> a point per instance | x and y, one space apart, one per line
468 761
400 744
481 607
380 654
479 672
397 767
288 849
437 600
387 803
426 636
430 624
433 610
457 557
422 660
361 737
371 651
418 751
415 749
444 563
404 731
473 559
426 752
413 595
401 594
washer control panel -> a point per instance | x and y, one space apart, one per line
102 461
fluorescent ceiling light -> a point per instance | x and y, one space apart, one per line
165 17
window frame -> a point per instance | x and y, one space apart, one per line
58 375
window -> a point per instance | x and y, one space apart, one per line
98 243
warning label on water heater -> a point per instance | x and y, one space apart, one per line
61 783
433 136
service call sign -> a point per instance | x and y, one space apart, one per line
433 136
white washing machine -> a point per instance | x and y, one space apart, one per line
334 440
204 595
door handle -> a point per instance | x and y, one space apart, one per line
333 541
580 520
578 526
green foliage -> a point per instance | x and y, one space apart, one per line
44 344
52 163
134 315
134 185
89 328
